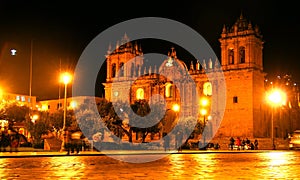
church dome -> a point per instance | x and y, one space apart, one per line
173 66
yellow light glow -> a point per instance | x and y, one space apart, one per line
203 112
73 104
140 93
34 118
209 117
276 97
44 107
66 78
204 102
176 107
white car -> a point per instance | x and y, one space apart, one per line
295 140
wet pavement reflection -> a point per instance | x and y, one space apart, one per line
265 165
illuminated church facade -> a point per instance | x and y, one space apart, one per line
241 65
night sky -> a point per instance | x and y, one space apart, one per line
59 32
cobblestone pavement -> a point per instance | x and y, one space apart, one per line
185 165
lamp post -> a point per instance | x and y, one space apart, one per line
204 103
276 98
65 78
203 112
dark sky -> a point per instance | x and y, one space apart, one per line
60 30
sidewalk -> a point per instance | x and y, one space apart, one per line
30 152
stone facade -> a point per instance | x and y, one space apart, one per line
240 70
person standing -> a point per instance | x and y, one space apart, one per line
68 143
231 143
256 144
166 141
179 137
76 141
238 143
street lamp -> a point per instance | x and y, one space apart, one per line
275 97
203 112
66 79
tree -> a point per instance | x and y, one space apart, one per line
88 120
189 127
153 123
13 112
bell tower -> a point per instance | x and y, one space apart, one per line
123 65
242 65
241 46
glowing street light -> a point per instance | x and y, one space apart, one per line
203 112
175 107
66 79
204 102
275 97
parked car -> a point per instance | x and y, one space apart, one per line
294 142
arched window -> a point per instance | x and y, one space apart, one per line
242 54
140 94
121 69
113 70
207 89
169 90
231 56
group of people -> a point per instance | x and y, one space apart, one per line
73 143
243 144
9 140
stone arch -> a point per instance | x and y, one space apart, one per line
231 56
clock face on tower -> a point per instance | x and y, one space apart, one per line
116 93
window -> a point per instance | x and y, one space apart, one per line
59 105
169 90
242 54
18 98
23 98
231 56
235 99
140 93
207 89
121 67
113 70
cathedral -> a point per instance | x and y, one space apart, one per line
240 68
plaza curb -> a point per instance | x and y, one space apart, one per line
122 153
